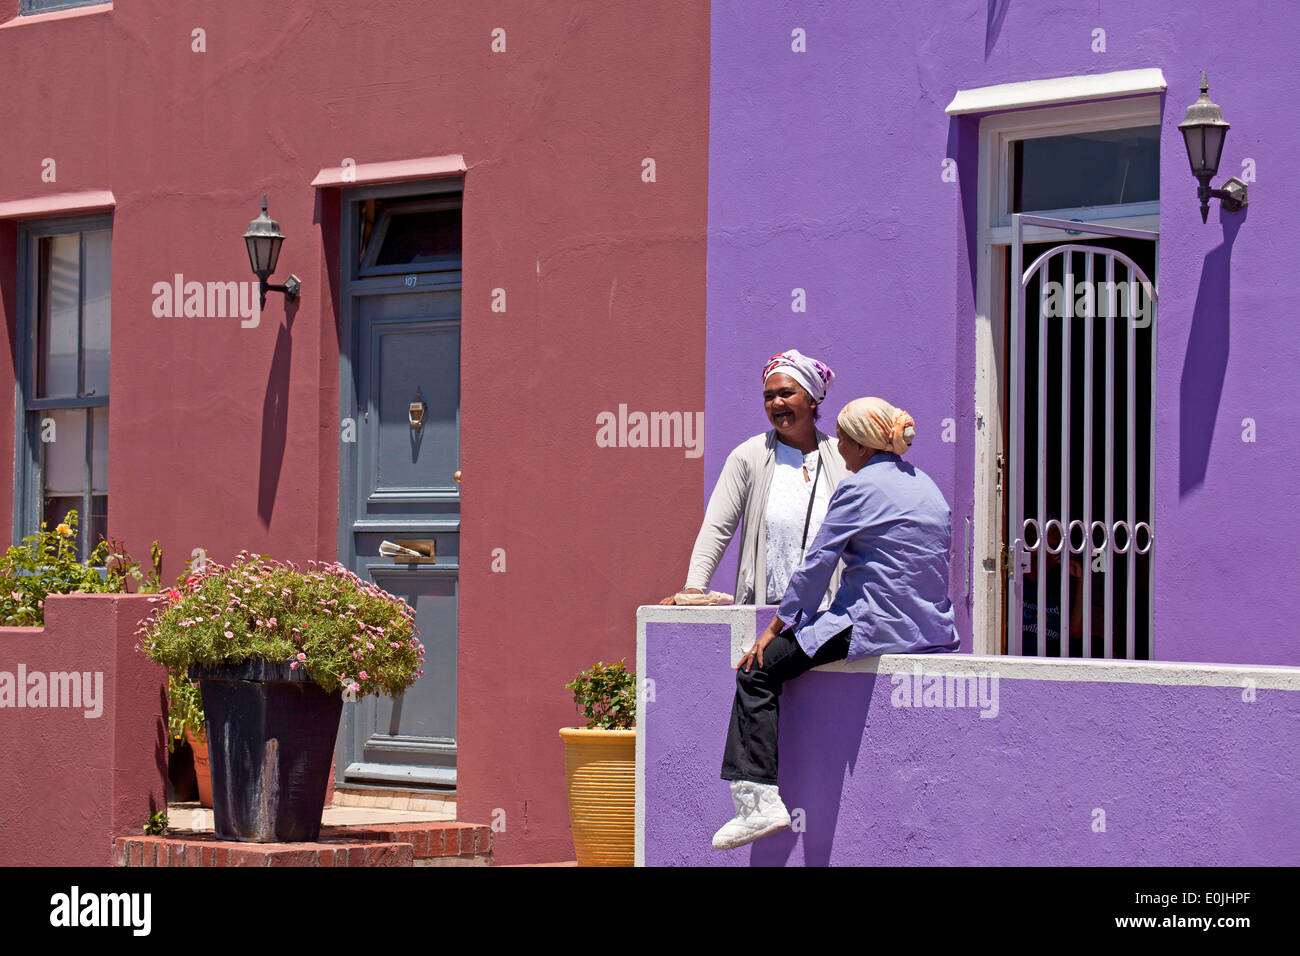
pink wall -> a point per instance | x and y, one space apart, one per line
225 438
71 782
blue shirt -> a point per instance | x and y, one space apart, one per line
891 526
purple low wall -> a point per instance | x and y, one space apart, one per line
74 777
1083 762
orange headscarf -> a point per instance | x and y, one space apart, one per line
875 423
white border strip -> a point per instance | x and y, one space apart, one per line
1061 89
741 618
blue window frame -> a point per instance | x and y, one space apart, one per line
44 6
64 306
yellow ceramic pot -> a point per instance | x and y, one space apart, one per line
600 771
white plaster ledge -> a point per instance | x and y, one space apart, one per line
402 170
1061 89
57 204
742 620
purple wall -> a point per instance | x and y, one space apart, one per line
825 175
1186 775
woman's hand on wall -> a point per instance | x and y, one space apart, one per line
672 598
755 653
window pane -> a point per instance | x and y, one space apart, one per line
97 527
95 313
1101 168
99 452
64 467
59 290
57 508
40 6
417 237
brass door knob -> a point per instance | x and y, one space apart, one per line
456 475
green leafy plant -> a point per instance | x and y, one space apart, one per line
346 633
120 568
45 563
156 824
606 696
184 709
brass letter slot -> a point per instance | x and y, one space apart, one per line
409 550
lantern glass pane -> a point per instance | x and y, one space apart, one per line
1195 140
1214 136
263 252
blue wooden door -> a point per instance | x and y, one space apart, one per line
399 469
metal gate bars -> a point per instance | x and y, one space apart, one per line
1081 451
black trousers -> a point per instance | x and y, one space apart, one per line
750 753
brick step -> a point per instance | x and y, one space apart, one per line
400 844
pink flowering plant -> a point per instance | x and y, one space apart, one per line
347 634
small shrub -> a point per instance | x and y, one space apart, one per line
606 696
184 709
346 633
45 563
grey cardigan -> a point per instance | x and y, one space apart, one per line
741 493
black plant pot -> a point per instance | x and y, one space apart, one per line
271 734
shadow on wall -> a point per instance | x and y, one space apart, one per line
824 751
1206 360
993 27
275 416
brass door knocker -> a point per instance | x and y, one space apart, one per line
415 412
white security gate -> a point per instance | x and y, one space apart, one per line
1081 452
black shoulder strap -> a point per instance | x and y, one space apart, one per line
807 519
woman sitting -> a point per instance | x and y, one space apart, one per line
891 526
775 487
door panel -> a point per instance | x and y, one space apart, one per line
397 484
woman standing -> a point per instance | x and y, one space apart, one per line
775 487
891 526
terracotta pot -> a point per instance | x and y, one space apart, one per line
202 773
600 772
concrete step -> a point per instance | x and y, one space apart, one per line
191 816
430 843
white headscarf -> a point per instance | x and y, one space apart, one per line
813 376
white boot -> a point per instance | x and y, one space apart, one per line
759 811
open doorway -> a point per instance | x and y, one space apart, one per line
1078 418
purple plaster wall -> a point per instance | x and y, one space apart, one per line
1186 775
825 175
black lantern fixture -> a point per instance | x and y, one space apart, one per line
264 240
1204 131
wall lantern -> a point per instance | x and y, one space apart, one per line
264 240
1204 131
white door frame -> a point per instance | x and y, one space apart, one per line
993 239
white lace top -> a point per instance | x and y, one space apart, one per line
787 504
